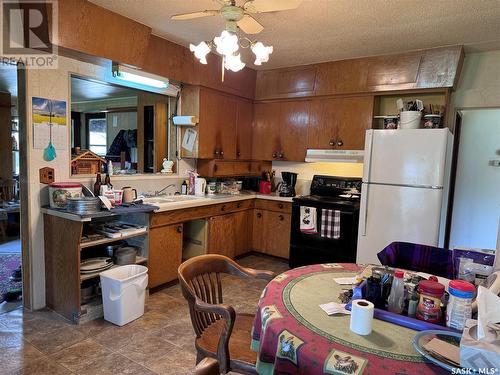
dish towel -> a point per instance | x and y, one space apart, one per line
330 224
308 222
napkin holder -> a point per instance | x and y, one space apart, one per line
480 355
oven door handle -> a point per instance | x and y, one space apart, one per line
364 209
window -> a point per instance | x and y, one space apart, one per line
97 136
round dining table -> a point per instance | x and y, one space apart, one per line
293 335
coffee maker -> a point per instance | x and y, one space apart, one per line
287 187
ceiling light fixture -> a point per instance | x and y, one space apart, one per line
227 45
138 78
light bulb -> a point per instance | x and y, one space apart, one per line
234 63
261 52
200 51
227 43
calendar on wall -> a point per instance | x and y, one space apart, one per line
49 123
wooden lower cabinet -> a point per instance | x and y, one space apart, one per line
165 254
271 232
229 234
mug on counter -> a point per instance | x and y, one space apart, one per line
129 194
212 188
118 197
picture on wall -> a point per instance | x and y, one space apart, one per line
49 118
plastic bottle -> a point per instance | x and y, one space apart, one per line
396 300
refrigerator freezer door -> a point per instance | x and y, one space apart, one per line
409 157
395 213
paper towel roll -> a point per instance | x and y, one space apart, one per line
361 316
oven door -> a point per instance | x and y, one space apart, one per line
308 248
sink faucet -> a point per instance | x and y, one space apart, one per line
158 192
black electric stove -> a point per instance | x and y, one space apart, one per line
332 193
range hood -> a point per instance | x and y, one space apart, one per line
334 156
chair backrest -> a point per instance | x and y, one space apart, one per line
8 190
421 258
200 277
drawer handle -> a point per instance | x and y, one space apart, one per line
179 229
281 217
259 215
280 205
223 208
238 205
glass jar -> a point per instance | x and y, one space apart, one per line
429 306
459 307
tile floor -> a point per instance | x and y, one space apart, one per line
160 342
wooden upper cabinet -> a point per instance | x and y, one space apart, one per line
355 116
425 69
340 123
280 130
244 125
217 127
285 83
94 30
341 77
294 120
266 133
388 72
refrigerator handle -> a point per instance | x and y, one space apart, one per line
364 209
368 155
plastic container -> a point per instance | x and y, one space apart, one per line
429 306
396 298
459 307
432 121
391 122
410 119
124 293
60 191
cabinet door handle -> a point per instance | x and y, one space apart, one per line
223 208
275 155
333 142
259 215
216 152
340 143
281 155
280 205
221 153
281 217
238 153
179 229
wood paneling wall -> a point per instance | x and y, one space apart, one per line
90 29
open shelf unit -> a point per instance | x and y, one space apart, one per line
385 105
64 252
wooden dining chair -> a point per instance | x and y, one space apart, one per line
220 332
208 366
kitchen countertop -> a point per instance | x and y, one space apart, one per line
207 200
171 203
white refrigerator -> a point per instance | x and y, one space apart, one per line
404 193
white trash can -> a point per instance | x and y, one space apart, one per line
124 293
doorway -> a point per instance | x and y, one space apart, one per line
11 139
476 196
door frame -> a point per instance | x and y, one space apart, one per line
457 125
24 184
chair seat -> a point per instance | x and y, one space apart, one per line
239 344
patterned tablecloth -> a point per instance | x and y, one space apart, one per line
293 335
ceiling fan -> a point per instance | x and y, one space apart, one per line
237 16
241 16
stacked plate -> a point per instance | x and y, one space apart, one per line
83 205
93 265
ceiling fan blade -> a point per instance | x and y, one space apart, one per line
189 16
262 6
250 25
